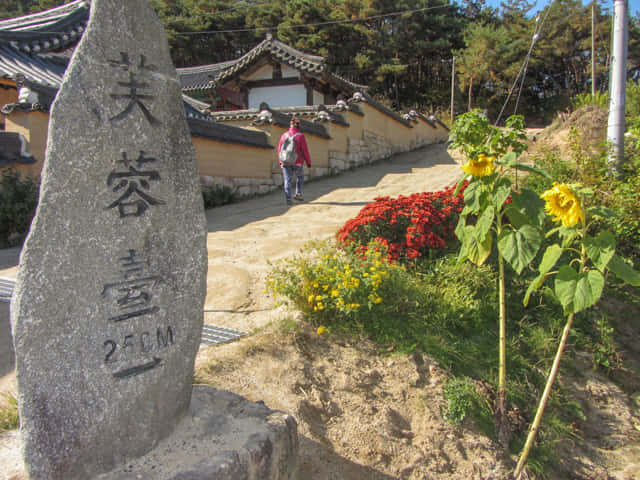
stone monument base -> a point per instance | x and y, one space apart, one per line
225 437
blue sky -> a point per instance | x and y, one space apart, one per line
634 5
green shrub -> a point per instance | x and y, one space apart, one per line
601 99
463 401
18 202
340 287
632 100
217 196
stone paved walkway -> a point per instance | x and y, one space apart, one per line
244 236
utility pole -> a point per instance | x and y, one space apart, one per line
617 85
453 87
593 50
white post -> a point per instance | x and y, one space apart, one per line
593 51
617 85
453 86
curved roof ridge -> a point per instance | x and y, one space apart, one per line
47 31
205 68
276 43
40 19
283 52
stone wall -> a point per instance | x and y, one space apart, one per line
369 136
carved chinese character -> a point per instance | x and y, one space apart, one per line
133 182
131 295
134 85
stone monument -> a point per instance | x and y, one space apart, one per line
107 311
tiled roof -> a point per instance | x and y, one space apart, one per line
46 31
206 77
35 68
194 107
316 113
201 77
227 133
288 55
281 117
378 106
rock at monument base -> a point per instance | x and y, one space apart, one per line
225 437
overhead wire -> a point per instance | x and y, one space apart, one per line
302 25
523 67
316 24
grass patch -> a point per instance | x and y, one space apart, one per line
9 417
448 311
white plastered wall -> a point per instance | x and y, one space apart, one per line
281 96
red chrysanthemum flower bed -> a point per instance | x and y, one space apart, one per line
409 227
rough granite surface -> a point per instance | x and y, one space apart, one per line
107 311
225 437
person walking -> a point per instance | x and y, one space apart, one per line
293 154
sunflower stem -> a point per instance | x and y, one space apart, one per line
501 401
533 431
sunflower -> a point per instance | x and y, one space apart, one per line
562 203
480 166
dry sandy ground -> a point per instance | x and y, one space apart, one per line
363 411
244 236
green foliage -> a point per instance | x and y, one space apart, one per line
18 202
9 418
632 100
217 196
342 287
463 401
442 309
618 195
474 135
405 57
601 99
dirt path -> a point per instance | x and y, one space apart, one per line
244 236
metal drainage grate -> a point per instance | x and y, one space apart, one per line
6 288
212 335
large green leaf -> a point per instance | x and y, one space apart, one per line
600 249
473 196
460 227
601 211
484 223
501 192
516 217
551 256
578 291
623 271
460 184
508 159
519 247
476 250
530 204
533 286
511 160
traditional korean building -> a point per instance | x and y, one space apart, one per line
236 110
273 73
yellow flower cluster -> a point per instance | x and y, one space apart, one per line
480 167
328 286
316 302
562 203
